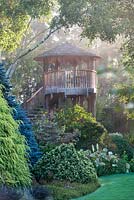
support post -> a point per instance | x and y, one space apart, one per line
91 100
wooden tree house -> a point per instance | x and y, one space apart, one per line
69 75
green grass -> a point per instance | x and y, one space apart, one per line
67 191
114 187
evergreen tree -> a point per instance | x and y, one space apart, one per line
14 170
19 114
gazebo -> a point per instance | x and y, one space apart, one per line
69 76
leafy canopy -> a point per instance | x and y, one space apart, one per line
105 20
14 19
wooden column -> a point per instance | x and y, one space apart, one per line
47 100
92 104
81 100
60 100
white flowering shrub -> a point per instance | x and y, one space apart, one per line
106 162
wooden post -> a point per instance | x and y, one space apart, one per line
47 100
81 99
92 104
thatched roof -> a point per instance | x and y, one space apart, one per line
66 53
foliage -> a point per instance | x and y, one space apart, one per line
97 19
19 114
106 162
27 78
76 117
105 20
35 193
15 17
65 163
114 113
40 192
14 168
122 145
125 90
7 193
131 165
25 128
101 18
65 190
49 135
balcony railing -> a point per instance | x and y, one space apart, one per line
70 79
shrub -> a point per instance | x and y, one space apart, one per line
25 127
14 168
122 145
35 193
49 135
9 194
41 193
107 163
131 165
65 163
76 117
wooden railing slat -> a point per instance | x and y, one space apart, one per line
71 79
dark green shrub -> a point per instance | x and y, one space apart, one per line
14 170
131 165
65 163
76 117
121 166
122 145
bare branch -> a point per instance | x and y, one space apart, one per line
13 65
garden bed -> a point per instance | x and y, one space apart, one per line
67 191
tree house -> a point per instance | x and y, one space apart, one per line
69 76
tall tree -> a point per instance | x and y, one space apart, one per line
106 20
14 170
19 114
15 17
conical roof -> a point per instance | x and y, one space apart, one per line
66 53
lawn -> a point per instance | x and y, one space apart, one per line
113 187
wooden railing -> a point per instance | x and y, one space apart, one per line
80 79
35 100
70 79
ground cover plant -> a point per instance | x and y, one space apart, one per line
14 170
65 190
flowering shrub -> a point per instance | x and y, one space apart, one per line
65 163
106 162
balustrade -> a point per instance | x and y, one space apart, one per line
70 79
